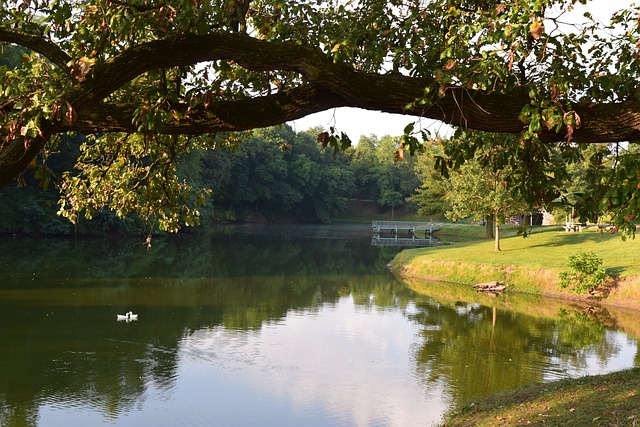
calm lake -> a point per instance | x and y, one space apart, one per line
269 326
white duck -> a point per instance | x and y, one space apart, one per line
129 317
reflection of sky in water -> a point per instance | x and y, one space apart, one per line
348 365
342 364
621 355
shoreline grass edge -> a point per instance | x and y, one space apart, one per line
531 266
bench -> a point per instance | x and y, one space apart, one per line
574 226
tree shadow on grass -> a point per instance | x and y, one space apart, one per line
566 239
560 238
598 400
616 271
613 283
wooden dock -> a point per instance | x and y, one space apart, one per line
403 233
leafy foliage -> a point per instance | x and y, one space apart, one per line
274 174
108 167
146 79
585 273
430 194
483 178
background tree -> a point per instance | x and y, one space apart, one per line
429 196
584 187
486 180
135 74
363 163
277 174
395 176
475 190
597 182
11 56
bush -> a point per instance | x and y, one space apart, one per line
585 275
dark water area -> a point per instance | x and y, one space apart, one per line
261 326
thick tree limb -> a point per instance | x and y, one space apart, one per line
332 85
328 85
15 154
487 112
37 44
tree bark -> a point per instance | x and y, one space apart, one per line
488 227
496 244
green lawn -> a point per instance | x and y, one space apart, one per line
546 247
607 400
526 265
531 265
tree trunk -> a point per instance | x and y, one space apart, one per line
496 246
488 227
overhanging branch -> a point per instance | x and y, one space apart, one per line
487 112
328 85
37 44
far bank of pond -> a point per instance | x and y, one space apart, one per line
528 265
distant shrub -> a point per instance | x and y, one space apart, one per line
585 275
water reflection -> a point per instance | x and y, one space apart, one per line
320 369
268 327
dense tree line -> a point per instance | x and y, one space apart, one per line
277 174
271 174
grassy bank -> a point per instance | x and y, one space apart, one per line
527 265
531 266
607 400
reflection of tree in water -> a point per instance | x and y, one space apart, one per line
479 350
475 349
59 327
211 255
53 354
12 414
581 331
60 332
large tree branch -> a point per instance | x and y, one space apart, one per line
37 44
251 53
332 85
328 85
17 153
220 116
489 112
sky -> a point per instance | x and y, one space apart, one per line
356 122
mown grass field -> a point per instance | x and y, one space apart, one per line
606 400
532 265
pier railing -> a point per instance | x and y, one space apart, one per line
403 233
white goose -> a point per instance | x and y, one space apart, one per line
129 317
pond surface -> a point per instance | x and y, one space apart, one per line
268 326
